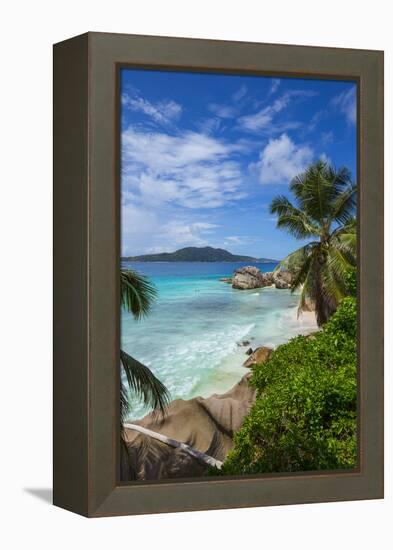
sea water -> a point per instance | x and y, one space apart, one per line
193 338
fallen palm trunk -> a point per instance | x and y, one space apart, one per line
177 444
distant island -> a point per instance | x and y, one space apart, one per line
197 254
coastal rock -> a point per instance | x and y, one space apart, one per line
260 355
207 425
282 279
249 351
250 277
281 284
244 343
226 280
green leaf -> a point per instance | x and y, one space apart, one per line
137 293
144 384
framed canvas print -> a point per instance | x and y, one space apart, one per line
218 274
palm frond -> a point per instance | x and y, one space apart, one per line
344 239
317 189
349 228
335 274
124 404
291 218
298 263
301 275
344 206
137 293
144 384
333 285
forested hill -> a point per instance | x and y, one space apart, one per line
196 254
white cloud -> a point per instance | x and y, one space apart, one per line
240 93
263 119
178 234
170 186
240 243
234 239
324 158
258 120
327 137
281 160
232 107
209 125
146 232
315 120
222 111
346 104
191 170
163 112
274 85
138 225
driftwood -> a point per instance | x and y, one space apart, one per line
177 444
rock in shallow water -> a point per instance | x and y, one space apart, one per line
249 277
282 279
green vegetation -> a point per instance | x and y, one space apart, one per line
197 254
325 205
137 295
304 417
305 414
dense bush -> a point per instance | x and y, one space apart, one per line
351 281
304 417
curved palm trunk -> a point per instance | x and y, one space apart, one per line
199 455
325 305
320 302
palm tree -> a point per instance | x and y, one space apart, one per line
324 210
137 295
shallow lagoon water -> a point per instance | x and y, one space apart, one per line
190 339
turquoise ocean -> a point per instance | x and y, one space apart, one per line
192 338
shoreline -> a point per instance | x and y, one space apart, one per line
124 260
194 434
309 317
230 369
204 355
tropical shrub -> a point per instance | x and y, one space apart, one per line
351 281
304 417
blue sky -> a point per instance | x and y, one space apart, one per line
202 155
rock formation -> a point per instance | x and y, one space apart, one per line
206 425
258 356
282 279
249 277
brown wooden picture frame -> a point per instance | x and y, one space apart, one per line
86 266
